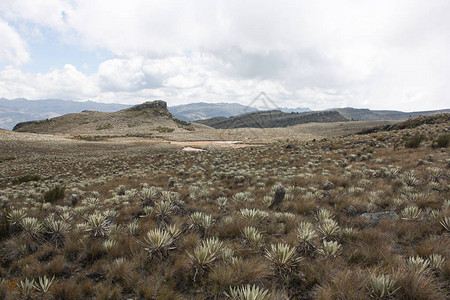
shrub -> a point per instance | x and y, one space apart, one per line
54 194
414 141
26 178
4 224
104 126
162 129
442 141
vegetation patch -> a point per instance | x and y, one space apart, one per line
163 129
145 135
104 126
54 194
442 141
414 141
92 138
26 178
7 159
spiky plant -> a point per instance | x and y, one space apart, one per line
267 200
283 258
305 236
248 292
323 214
227 254
328 228
109 245
418 264
26 287
409 178
57 230
410 212
206 253
15 215
97 226
148 210
174 231
222 202
158 243
330 248
32 227
240 198
120 190
381 286
163 210
445 222
254 214
201 222
172 197
133 228
148 196
44 284
252 236
349 233
435 173
436 261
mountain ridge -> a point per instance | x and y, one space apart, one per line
272 119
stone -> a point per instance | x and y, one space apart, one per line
375 218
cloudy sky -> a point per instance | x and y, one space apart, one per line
320 54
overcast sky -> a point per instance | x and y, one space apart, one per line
384 54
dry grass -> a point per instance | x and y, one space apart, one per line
116 193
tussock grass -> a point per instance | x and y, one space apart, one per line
152 222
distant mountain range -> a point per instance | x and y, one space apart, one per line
22 110
202 110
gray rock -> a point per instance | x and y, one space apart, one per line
375 218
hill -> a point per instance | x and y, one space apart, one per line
21 110
272 119
365 114
410 124
142 119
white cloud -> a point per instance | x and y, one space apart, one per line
66 83
378 54
12 47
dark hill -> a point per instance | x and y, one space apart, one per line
273 118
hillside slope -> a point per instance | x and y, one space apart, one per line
142 119
364 114
272 119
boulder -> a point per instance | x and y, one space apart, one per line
375 218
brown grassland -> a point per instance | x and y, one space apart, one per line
341 217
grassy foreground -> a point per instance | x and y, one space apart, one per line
355 217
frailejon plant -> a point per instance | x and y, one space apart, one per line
418 264
381 286
158 243
248 292
330 248
284 259
305 236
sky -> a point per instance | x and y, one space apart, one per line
319 54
